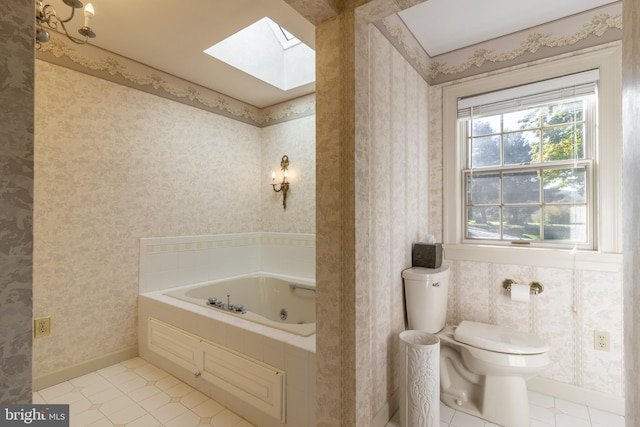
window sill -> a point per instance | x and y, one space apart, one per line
535 257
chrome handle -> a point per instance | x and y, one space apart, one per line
197 374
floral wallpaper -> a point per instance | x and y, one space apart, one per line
391 210
296 140
16 200
385 197
117 164
631 189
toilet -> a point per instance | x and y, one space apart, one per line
483 368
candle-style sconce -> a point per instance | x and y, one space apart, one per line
284 185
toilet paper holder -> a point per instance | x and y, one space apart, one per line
534 287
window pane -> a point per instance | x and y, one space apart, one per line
485 125
519 147
565 185
483 189
485 151
563 112
519 120
565 223
521 223
483 223
521 187
563 143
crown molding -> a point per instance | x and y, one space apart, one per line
97 62
591 28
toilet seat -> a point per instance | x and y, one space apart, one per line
498 339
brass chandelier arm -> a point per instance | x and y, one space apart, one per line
46 14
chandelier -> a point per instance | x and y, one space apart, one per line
46 15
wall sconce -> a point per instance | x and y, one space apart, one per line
284 185
46 15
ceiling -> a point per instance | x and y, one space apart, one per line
442 26
171 35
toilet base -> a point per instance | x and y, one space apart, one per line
500 399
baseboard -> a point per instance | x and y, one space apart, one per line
386 412
83 368
572 393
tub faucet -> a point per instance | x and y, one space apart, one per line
239 308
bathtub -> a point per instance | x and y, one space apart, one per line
282 304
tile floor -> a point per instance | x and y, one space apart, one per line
135 393
545 411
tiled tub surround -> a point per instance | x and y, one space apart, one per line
170 262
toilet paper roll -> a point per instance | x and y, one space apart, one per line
520 293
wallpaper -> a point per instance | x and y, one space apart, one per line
117 164
296 140
334 343
16 200
391 208
631 189
383 232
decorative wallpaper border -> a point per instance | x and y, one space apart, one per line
587 29
107 65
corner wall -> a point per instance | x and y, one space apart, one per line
631 189
16 199
391 209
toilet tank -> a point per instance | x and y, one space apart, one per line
425 291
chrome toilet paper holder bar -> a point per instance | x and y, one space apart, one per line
534 287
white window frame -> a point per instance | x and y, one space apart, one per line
607 158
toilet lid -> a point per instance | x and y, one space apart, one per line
497 338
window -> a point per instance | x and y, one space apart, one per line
535 165
527 163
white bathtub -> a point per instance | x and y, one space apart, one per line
282 304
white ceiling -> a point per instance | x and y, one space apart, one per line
171 35
445 25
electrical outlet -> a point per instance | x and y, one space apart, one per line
42 327
601 340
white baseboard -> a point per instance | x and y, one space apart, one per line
83 368
572 393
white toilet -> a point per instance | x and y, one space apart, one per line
483 368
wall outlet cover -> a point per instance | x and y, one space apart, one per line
42 327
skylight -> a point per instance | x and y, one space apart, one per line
268 52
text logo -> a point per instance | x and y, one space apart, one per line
34 415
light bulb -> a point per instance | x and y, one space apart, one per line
88 14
